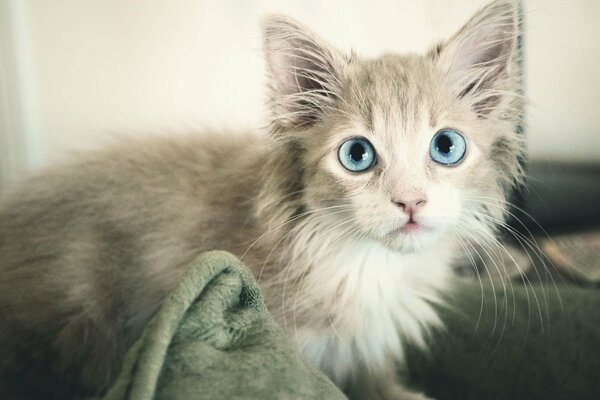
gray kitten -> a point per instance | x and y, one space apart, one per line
349 212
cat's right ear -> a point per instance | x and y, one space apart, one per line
306 73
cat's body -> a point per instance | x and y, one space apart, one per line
94 248
91 255
350 263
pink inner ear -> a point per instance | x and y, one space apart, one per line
487 39
294 69
486 46
299 63
477 60
279 56
306 72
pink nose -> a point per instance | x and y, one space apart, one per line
410 206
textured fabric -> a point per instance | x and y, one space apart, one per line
540 344
213 339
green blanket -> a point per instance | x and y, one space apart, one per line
213 339
543 343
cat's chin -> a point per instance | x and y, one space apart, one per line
411 241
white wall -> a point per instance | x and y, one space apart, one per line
76 71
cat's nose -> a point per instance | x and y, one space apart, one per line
410 206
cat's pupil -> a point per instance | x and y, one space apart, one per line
357 152
444 144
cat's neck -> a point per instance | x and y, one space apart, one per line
356 296
327 267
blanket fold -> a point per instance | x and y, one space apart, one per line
214 339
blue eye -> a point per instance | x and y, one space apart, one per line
447 147
356 155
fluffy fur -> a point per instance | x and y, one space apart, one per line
90 248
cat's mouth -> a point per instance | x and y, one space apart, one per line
411 227
409 236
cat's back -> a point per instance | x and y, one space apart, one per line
88 247
151 176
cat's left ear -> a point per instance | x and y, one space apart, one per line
479 62
306 73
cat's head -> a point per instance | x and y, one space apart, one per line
403 148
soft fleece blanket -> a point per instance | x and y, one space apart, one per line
543 343
214 339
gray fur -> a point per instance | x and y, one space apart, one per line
90 248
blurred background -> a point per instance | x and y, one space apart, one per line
76 72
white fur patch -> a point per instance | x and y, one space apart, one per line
364 301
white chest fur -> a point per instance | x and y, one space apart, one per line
365 301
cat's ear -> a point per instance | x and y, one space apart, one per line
479 62
306 73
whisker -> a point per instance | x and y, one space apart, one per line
491 283
293 219
525 278
532 245
474 264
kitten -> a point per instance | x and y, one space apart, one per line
348 212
